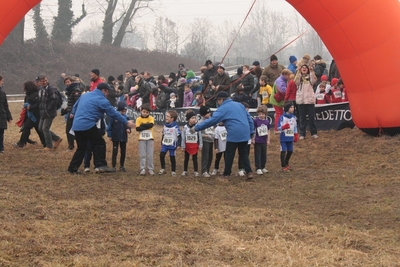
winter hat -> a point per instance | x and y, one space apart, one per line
307 56
96 71
239 71
256 63
334 81
324 78
110 79
292 59
222 66
120 77
288 105
273 57
190 114
122 106
181 65
208 62
171 95
102 86
172 75
190 74
204 110
222 94
134 71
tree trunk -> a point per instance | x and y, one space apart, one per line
125 22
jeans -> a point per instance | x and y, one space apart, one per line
230 156
49 136
307 110
260 155
28 125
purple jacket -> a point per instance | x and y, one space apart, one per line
188 99
281 84
261 124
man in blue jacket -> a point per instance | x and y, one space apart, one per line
87 111
240 128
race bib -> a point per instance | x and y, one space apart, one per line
320 97
209 131
264 94
222 135
191 138
168 141
337 94
289 132
262 130
146 135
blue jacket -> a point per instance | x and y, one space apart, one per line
238 122
117 130
288 134
90 108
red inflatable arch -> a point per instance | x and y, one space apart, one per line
11 12
363 36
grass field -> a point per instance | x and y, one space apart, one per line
340 206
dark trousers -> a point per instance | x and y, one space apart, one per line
230 156
186 162
240 161
172 159
99 148
260 155
1 139
70 137
26 132
304 111
218 157
122 145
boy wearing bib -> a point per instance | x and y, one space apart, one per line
288 126
171 139
191 143
144 125
261 139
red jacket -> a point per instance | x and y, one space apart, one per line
336 96
291 90
322 98
344 95
93 84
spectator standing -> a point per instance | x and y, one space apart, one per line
273 70
319 69
5 114
187 96
292 65
305 99
73 92
117 132
211 71
144 125
95 79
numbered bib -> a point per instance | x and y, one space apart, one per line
191 138
337 94
223 135
168 141
209 131
320 97
146 135
264 94
262 130
289 132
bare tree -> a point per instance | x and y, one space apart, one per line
64 22
166 38
16 36
200 44
126 20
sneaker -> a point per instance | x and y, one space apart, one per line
143 172
151 172
315 136
31 142
241 173
161 172
184 173
205 174
196 174
250 176
301 137
214 172
122 169
265 170
286 169
173 174
104 169
57 143
87 169
2 151
259 172
16 145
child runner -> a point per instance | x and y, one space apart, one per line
191 143
220 134
144 125
288 126
208 141
171 140
117 132
261 139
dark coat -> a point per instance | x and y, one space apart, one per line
48 102
5 114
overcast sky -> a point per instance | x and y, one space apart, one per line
179 11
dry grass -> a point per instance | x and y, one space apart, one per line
339 207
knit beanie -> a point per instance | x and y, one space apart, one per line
122 106
273 57
292 59
288 105
96 71
334 81
189 115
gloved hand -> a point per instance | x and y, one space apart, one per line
285 126
296 137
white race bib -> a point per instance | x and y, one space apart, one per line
264 94
222 135
320 96
262 130
168 141
337 94
289 132
146 135
191 138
